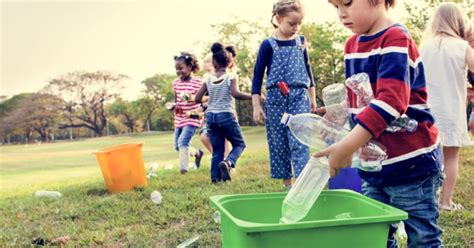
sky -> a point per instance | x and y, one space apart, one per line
41 40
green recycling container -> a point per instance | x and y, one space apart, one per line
339 218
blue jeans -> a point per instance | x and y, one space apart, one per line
183 136
222 126
419 200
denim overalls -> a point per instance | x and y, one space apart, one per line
285 151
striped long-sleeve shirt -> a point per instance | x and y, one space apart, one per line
192 86
396 73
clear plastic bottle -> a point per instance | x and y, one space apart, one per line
305 191
335 102
46 193
317 132
360 85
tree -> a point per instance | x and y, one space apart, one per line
158 90
85 95
128 112
326 54
35 112
8 129
246 37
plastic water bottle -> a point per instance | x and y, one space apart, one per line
46 193
305 191
402 124
335 101
317 132
360 85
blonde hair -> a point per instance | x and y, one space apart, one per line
449 20
283 7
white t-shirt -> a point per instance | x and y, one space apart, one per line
444 60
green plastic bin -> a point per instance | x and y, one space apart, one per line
339 218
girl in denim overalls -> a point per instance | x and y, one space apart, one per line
289 86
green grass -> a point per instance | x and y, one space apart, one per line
92 217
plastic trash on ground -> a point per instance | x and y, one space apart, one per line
188 242
155 197
46 193
152 170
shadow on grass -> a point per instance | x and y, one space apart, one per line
97 192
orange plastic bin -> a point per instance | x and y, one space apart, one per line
122 167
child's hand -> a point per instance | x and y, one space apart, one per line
258 114
338 156
262 99
320 110
313 106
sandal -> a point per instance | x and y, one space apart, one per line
452 208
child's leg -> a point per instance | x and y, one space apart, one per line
204 137
451 161
299 153
216 137
228 147
280 165
418 199
177 133
233 134
183 145
378 194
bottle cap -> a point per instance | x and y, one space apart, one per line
285 119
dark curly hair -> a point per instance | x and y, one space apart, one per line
189 59
222 56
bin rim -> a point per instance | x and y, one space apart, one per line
395 215
117 147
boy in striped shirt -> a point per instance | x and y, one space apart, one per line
411 174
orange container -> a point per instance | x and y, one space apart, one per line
122 167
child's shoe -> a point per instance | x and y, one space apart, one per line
225 170
198 157
451 208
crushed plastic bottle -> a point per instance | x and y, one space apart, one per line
317 132
155 197
188 242
402 124
185 96
170 105
335 102
217 217
152 170
305 191
360 85
46 193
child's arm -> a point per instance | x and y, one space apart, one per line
340 154
312 99
200 94
236 93
258 113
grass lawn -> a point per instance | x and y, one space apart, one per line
92 217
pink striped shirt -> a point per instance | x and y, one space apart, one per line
191 87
